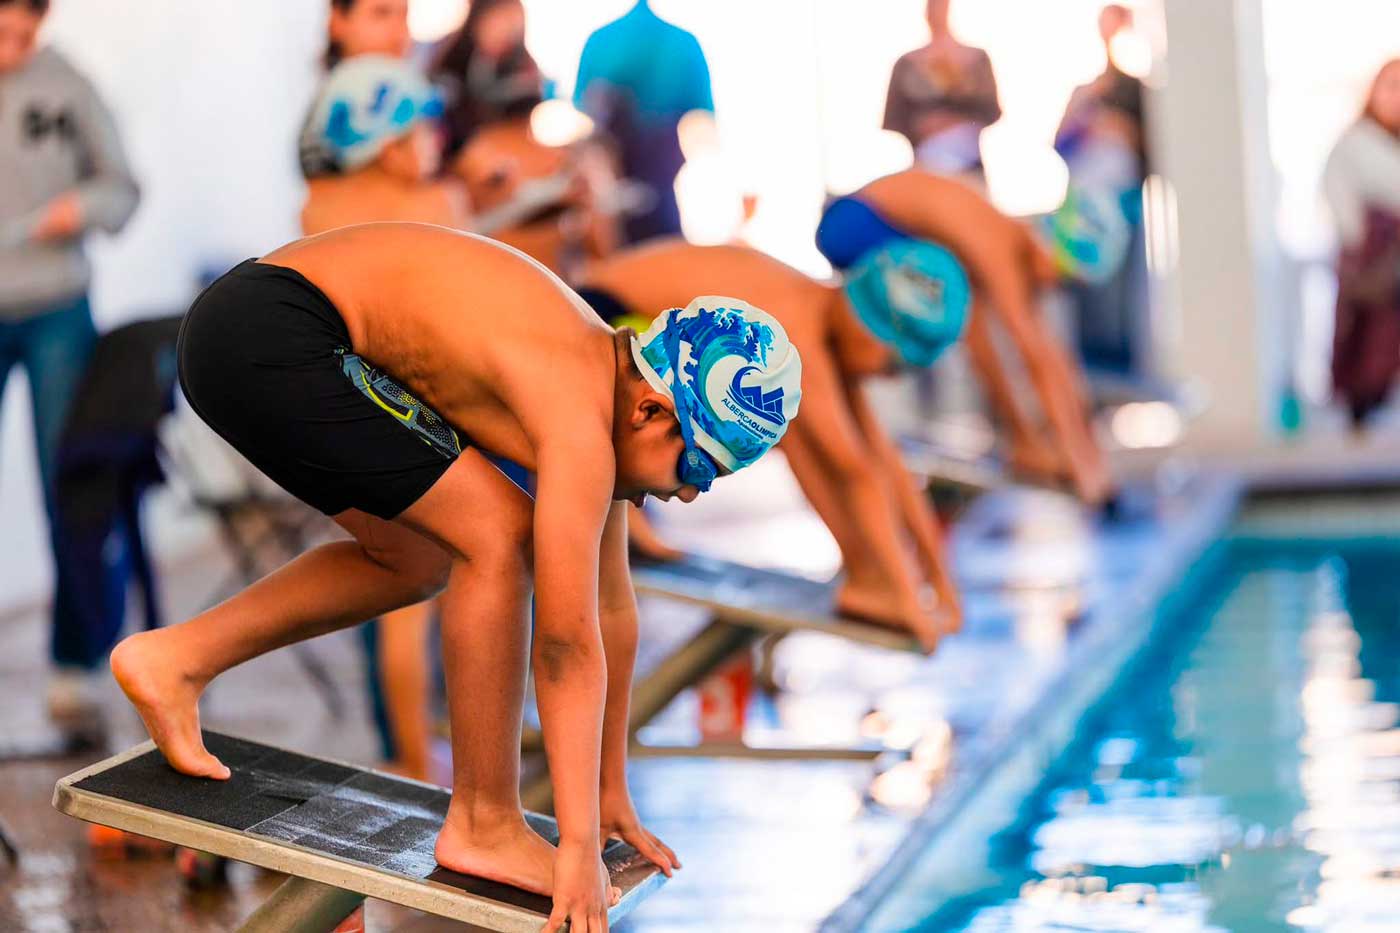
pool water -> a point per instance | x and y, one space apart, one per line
1243 776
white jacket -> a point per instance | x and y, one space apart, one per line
1362 172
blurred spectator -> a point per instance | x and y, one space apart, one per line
546 200
1097 232
65 174
372 126
355 28
1110 106
941 97
1362 187
637 77
487 74
367 27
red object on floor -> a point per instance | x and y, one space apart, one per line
109 843
724 700
355 923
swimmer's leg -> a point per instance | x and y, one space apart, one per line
1061 395
405 683
486 649
880 583
1027 446
163 672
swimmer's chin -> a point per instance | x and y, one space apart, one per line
635 498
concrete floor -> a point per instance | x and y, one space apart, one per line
768 845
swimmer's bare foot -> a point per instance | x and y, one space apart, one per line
500 848
643 541
950 617
1093 485
879 607
168 702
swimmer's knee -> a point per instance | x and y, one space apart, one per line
501 549
432 577
422 567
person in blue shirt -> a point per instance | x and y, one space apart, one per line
637 77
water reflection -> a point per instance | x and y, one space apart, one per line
1250 781
1350 776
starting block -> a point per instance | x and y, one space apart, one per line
940 466
766 600
341 832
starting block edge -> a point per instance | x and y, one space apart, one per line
297 861
865 633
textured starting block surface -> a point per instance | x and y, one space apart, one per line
761 599
344 826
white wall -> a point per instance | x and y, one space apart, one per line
209 95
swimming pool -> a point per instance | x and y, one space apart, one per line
1243 774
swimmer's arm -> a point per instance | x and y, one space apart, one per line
572 500
914 507
835 468
1055 380
1005 272
617 616
617 611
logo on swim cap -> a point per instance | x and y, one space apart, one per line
739 374
767 405
913 295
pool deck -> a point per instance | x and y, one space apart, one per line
1056 601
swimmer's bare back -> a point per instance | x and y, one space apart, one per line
667 273
488 337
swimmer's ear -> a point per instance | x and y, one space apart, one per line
652 406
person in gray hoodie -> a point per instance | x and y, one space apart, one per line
64 174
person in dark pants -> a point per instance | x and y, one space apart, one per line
59 141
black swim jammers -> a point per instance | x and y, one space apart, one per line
265 359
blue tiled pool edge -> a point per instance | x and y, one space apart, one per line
996 773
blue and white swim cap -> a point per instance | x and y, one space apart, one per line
913 295
366 103
737 378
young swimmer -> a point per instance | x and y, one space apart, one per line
1005 267
846 463
903 301
372 123
282 357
